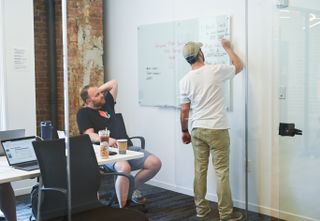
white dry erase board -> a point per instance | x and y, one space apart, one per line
160 61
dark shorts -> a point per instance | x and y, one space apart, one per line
136 164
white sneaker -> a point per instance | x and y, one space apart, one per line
235 216
203 215
138 198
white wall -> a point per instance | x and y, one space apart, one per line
19 80
161 126
262 120
17 72
2 83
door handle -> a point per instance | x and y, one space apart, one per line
288 129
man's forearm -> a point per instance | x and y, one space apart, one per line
184 126
112 87
94 137
184 116
108 86
235 60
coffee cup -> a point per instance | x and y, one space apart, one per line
122 146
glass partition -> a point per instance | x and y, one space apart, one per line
297 49
148 81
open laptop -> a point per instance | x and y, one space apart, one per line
9 134
20 153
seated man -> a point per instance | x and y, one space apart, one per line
8 202
97 114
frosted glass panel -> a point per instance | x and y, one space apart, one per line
297 48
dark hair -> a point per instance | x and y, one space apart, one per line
193 59
84 93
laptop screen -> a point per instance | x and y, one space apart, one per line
19 150
9 134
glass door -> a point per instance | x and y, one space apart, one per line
297 67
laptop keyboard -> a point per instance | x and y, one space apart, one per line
28 166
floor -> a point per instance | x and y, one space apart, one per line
162 205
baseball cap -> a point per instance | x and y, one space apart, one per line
191 49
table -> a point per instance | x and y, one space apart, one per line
115 158
10 174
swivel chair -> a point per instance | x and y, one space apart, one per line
85 181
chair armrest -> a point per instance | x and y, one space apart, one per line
61 190
36 195
52 189
130 178
142 141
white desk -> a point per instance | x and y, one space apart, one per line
118 157
9 174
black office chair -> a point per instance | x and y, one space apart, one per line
85 181
120 132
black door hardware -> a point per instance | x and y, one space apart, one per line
288 129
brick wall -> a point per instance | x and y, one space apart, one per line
41 66
85 51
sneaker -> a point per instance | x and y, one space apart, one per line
140 207
235 216
204 214
138 198
207 216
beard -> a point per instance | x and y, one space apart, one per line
99 104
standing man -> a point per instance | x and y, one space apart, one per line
97 114
202 90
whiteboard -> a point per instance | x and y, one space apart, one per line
160 61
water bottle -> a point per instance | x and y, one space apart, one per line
46 130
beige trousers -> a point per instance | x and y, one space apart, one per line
216 142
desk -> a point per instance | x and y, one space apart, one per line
115 158
9 174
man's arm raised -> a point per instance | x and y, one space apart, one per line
112 87
233 56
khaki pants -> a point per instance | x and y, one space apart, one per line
216 142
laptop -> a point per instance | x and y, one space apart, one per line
61 134
20 153
9 134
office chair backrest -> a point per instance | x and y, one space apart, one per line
85 175
120 131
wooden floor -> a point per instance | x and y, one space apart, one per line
162 205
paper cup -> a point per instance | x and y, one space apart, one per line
122 145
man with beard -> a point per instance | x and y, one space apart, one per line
97 114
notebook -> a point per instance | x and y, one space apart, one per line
20 153
9 134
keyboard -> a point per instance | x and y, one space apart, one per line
27 166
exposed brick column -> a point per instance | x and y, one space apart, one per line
85 51
85 35
41 64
